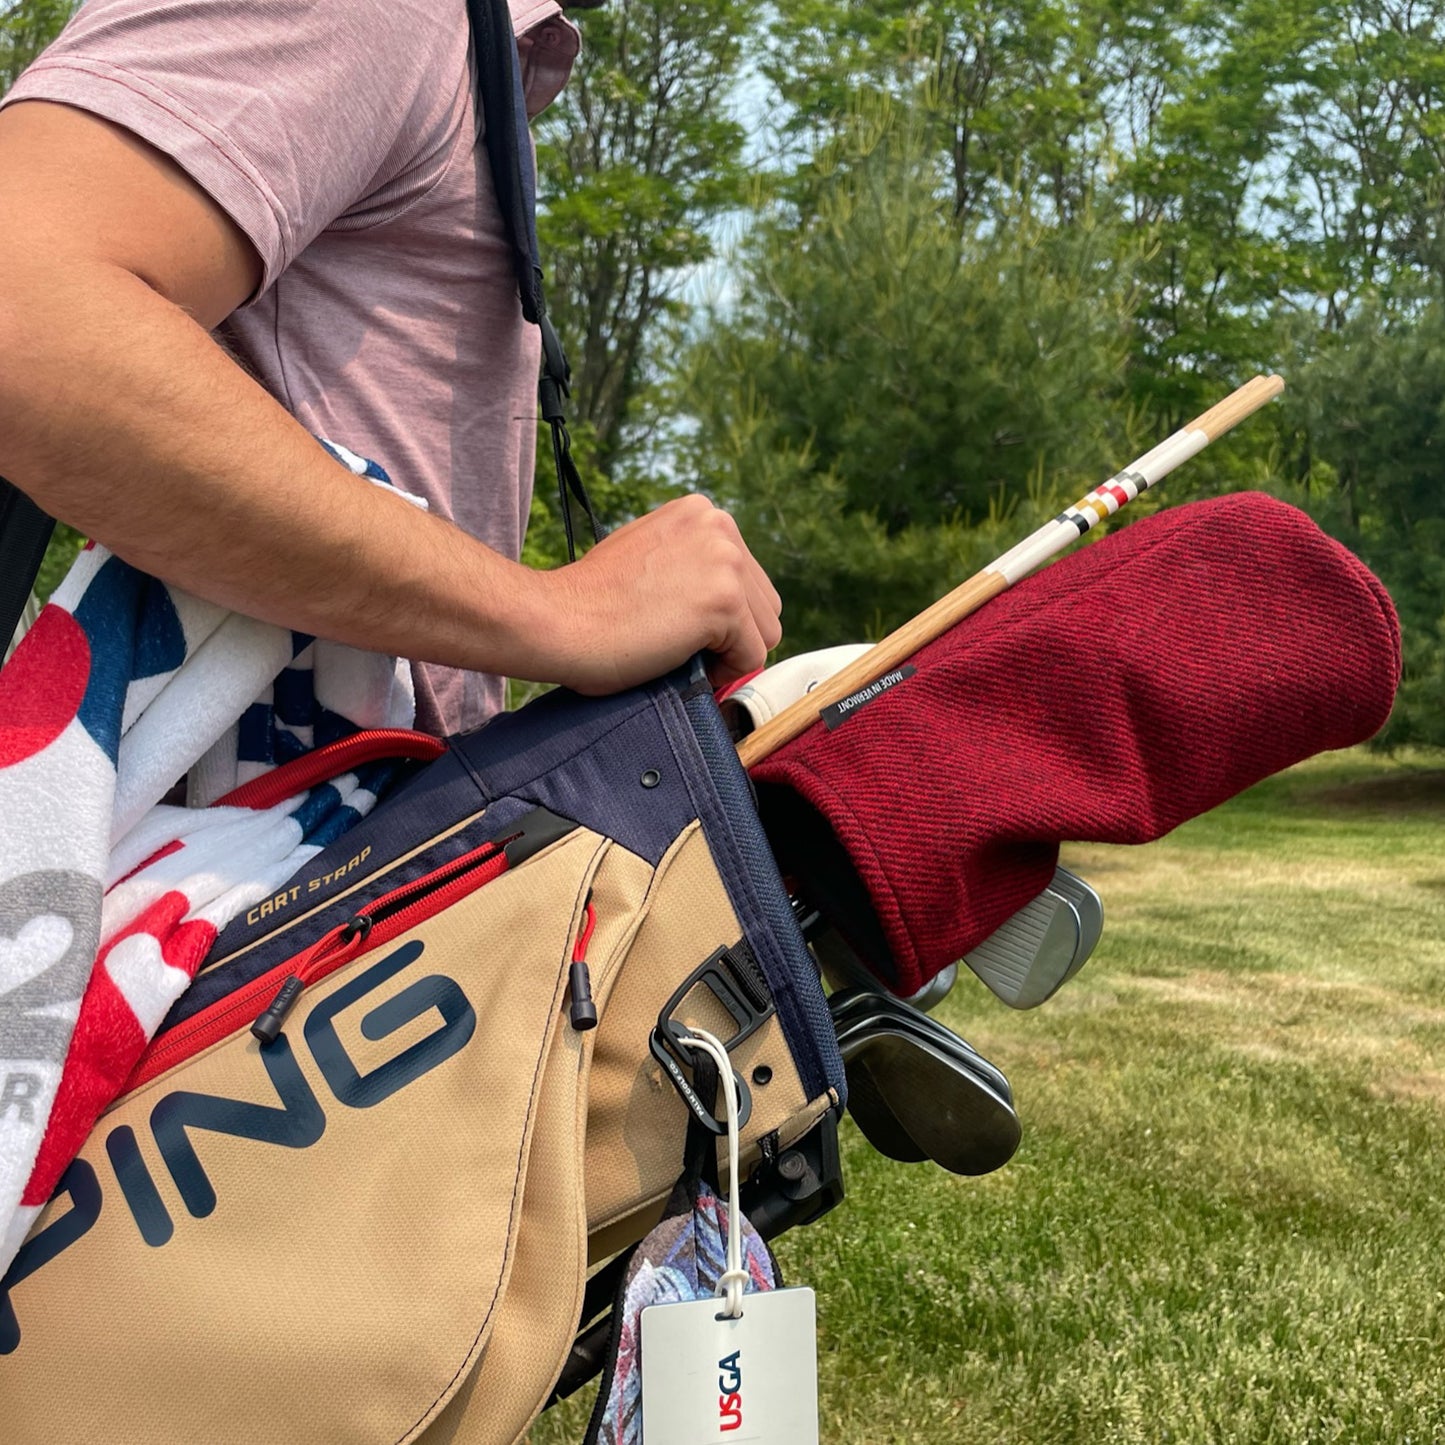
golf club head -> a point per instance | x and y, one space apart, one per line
881 1127
935 990
918 1091
1090 908
859 1020
943 1109
1043 945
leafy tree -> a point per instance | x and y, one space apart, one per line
926 366
1019 92
1287 154
885 382
1291 170
1362 108
638 159
1373 411
26 28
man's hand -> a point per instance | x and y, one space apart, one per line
677 581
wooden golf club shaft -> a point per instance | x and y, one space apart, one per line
1015 564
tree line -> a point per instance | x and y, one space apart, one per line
892 281
978 253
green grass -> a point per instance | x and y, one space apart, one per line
1227 1218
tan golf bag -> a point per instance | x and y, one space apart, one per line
352 1190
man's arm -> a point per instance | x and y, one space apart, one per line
120 415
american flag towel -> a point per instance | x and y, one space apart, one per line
110 899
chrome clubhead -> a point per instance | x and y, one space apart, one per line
903 1019
935 990
918 1091
1024 962
1032 955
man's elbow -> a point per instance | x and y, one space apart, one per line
59 350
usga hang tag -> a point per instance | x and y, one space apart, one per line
708 1378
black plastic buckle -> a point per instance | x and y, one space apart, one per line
726 982
715 974
554 358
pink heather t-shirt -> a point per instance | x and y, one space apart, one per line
340 135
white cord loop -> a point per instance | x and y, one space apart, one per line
734 1280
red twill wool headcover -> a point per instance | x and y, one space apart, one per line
1137 683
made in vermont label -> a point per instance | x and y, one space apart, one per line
840 712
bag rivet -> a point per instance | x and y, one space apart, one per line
651 778
762 1075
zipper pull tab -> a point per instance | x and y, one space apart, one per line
579 977
267 1028
352 934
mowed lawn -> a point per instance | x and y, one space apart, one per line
1227 1218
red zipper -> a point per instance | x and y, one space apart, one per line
272 995
331 761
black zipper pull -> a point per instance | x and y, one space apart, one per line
267 1028
579 976
358 927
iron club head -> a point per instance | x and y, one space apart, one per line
1034 953
919 1091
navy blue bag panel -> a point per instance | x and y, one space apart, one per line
744 859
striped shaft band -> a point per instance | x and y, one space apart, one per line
1102 502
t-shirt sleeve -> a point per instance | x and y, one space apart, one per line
292 115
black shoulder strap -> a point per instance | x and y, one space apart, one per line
24 532
502 113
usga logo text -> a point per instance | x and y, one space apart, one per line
730 1387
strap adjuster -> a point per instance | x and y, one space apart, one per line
720 975
555 366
